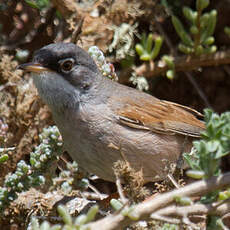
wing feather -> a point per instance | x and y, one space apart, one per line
159 116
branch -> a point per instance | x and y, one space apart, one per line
185 63
180 211
146 208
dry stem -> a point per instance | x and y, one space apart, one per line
146 208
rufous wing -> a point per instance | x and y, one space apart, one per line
160 116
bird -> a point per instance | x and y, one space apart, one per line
102 121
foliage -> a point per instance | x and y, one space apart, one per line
106 69
200 38
125 210
227 30
170 63
67 179
30 175
145 49
212 147
205 163
79 223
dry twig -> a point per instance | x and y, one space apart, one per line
146 208
185 63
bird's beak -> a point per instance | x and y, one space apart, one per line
33 67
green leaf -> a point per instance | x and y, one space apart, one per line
201 4
149 43
209 41
170 74
209 29
139 48
145 57
157 47
183 200
185 49
190 14
227 30
195 174
116 204
92 213
184 36
4 158
64 214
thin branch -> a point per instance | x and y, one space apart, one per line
198 89
180 211
165 219
144 209
185 63
120 190
173 181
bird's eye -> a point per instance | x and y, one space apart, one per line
67 64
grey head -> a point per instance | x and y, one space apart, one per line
62 73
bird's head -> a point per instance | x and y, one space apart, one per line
62 72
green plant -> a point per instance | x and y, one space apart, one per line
145 49
215 144
79 223
200 38
170 63
31 175
227 30
106 69
205 163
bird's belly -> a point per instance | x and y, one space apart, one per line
96 147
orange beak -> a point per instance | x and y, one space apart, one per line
33 67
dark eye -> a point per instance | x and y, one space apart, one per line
67 64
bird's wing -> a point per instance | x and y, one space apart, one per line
159 116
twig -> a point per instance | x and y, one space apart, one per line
93 196
94 189
186 221
171 178
180 211
198 89
165 219
144 209
185 63
221 202
120 191
77 32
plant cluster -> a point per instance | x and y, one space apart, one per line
211 148
31 175
79 223
146 50
200 38
105 68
